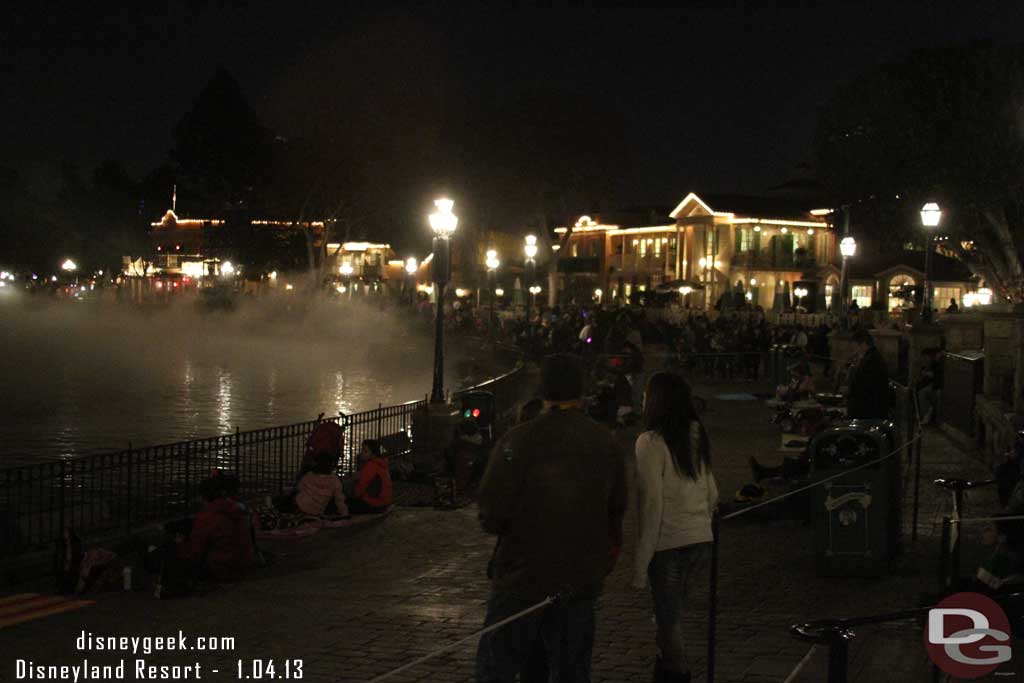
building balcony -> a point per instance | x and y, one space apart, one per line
768 261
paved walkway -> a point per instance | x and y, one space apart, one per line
354 604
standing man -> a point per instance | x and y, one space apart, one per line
869 381
555 494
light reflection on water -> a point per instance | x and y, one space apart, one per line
74 386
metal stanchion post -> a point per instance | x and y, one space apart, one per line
944 555
838 653
713 599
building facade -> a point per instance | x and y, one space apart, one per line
711 246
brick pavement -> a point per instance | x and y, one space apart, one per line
354 604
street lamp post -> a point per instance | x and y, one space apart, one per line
530 249
492 264
346 271
443 223
847 247
930 217
71 267
410 270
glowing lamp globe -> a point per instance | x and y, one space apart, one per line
930 215
443 221
345 268
848 247
410 265
69 265
492 260
531 246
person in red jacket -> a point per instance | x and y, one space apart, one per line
220 543
371 492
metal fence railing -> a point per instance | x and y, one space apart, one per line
112 494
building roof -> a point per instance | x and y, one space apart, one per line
760 207
747 206
944 268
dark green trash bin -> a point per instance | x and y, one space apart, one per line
857 517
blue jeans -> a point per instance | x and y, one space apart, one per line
669 573
565 631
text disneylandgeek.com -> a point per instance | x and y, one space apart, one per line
139 668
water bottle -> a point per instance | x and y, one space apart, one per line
127 572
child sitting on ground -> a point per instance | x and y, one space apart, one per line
800 386
319 491
371 492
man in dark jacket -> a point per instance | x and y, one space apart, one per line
554 491
869 381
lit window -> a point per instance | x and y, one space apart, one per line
862 295
942 295
643 248
657 247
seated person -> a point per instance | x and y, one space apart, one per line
371 491
216 544
800 386
790 469
319 492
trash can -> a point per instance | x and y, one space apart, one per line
857 517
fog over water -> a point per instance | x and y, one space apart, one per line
84 377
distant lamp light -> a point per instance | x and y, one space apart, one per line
931 215
460 292
848 247
784 230
556 247
810 231
226 268
340 289
345 268
684 290
53 278
749 296
983 297
757 228
753 281
69 265
289 286
598 293
718 264
443 222
531 246
703 262
410 265
492 261
273 275
499 292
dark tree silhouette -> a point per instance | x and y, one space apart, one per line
941 125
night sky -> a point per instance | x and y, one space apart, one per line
707 96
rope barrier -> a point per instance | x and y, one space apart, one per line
451 646
791 678
839 475
551 599
1009 518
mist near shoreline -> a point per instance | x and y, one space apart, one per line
84 377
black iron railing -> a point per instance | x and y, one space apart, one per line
112 494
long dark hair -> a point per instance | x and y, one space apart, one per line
669 411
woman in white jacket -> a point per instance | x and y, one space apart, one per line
676 499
